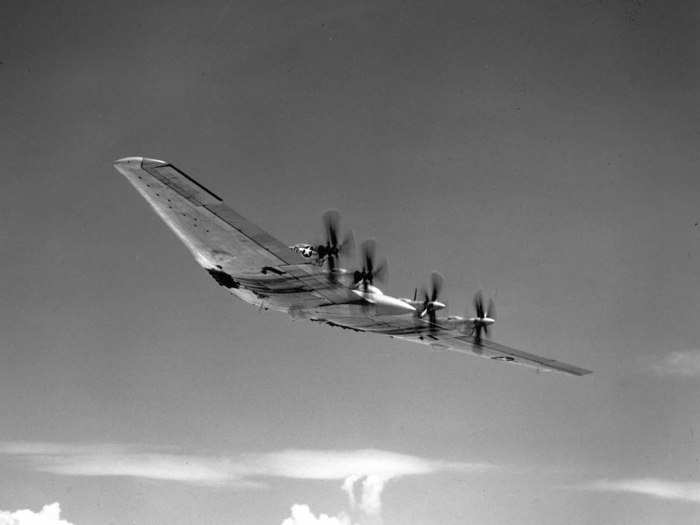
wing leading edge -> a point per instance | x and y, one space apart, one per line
215 234
232 249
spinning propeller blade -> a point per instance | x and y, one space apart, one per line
370 270
430 299
483 319
332 250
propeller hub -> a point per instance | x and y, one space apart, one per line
484 321
431 307
484 318
430 304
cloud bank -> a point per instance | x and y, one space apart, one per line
48 515
242 470
684 363
657 488
364 473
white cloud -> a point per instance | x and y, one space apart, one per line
48 515
349 486
302 515
126 461
372 487
339 464
364 492
169 467
364 472
679 363
243 471
658 488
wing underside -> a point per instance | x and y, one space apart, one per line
500 352
214 233
442 336
236 252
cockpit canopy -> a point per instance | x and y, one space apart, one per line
305 249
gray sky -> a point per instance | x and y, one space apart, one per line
546 152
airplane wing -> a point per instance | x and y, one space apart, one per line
450 339
443 336
231 248
499 352
237 253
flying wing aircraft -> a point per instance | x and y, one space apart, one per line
305 280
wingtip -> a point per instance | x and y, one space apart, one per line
576 371
138 162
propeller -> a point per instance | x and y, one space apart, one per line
370 270
332 250
484 318
430 300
